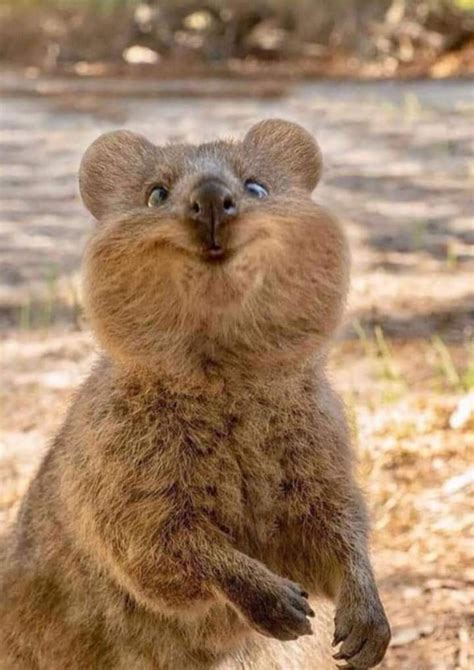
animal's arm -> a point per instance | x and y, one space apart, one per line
360 624
171 558
337 524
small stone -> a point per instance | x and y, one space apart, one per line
138 55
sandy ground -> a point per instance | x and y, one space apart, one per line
400 172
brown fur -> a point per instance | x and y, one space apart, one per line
206 461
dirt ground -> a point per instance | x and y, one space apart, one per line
400 172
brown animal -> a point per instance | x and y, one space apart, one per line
204 469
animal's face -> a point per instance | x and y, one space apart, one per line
220 242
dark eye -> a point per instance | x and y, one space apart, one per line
255 189
157 196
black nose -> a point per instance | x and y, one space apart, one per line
211 204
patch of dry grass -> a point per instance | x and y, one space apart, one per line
415 436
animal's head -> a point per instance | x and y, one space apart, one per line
215 249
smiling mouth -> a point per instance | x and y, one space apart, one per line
215 252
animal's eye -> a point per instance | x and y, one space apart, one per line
157 196
255 189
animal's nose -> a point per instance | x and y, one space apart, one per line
212 204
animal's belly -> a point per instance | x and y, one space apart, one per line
195 640
218 640
307 653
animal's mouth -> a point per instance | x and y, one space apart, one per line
215 253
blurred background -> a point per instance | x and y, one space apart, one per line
386 87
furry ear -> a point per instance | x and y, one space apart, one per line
291 146
113 172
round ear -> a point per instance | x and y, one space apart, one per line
113 171
290 145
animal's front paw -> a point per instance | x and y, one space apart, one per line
364 631
275 607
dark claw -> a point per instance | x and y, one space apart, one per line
298 589
340 656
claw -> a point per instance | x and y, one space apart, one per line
340 656
338 638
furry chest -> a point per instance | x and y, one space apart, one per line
236 483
